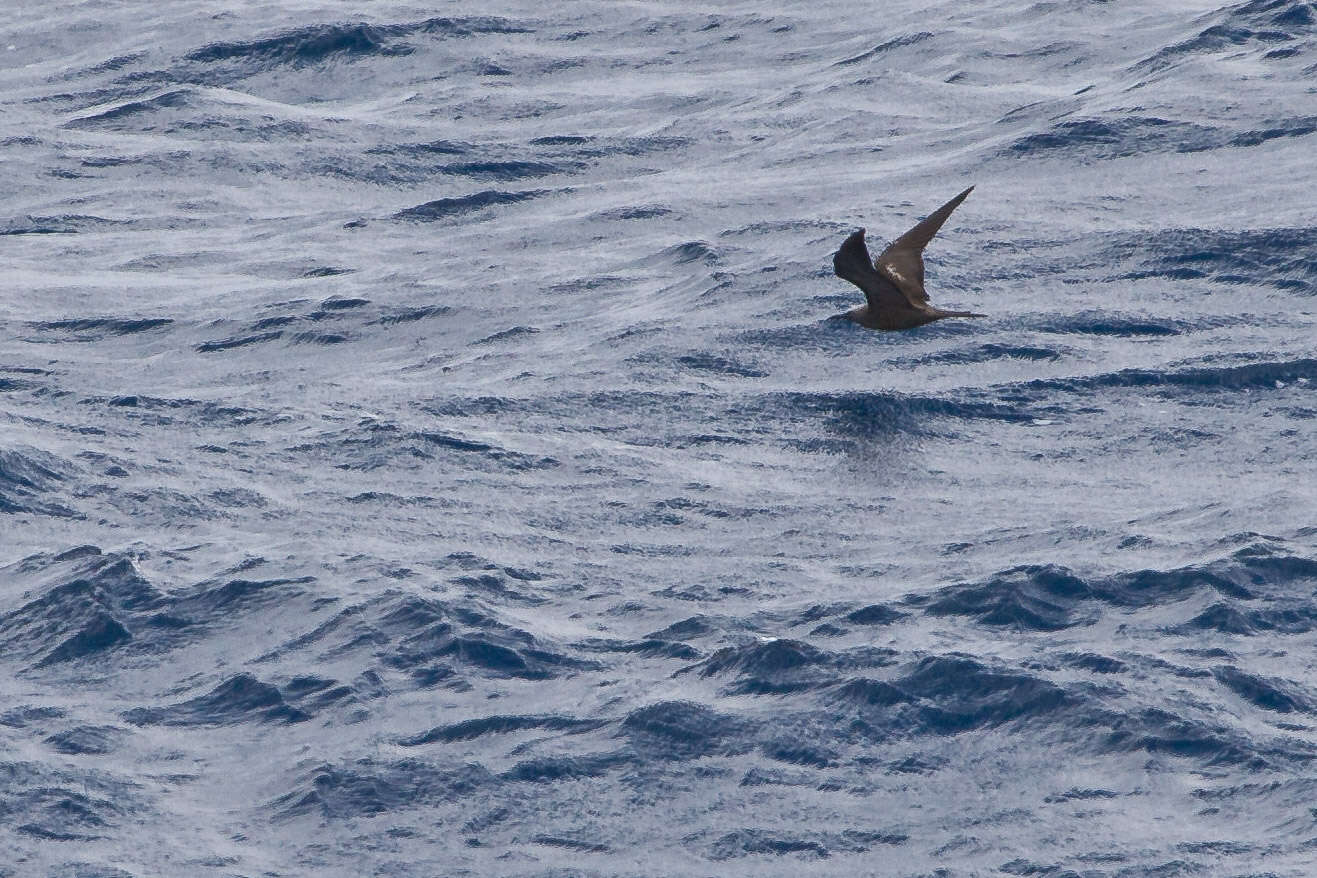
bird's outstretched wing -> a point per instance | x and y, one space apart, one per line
851 262
902 263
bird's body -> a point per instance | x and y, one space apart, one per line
893 284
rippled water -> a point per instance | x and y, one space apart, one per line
427 450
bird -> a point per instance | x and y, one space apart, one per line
893 285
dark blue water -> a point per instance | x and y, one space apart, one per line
424 449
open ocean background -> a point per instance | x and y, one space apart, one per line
425 449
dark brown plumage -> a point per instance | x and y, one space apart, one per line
893 284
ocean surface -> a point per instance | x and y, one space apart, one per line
426 448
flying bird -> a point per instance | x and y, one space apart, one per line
893 284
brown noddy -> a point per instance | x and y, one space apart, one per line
893 284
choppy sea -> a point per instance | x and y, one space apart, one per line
426 449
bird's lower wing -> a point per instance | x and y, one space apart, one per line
851 262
